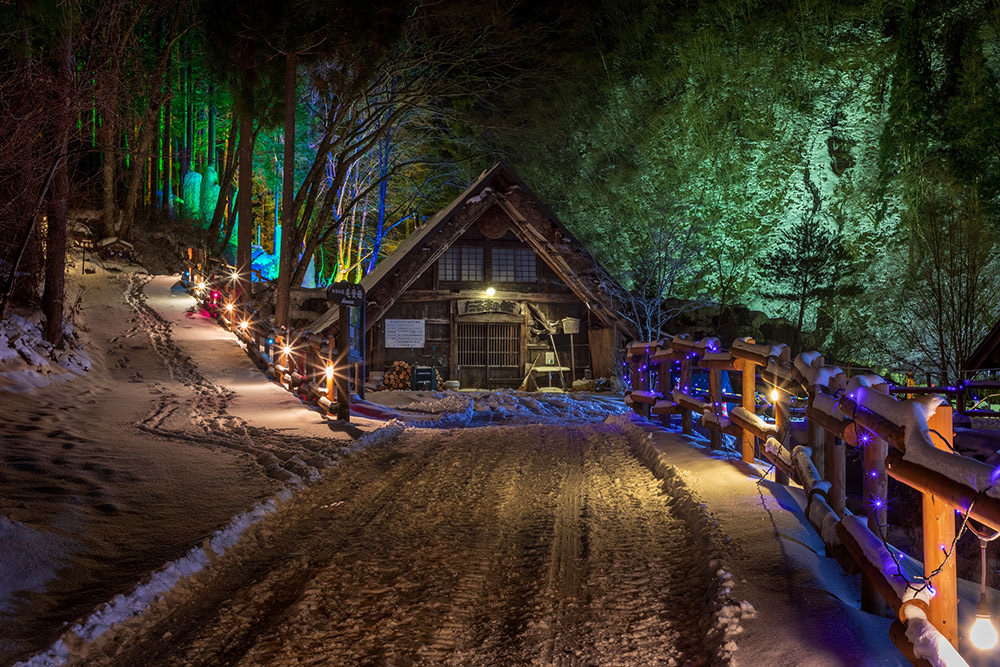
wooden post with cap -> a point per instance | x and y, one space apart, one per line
939 534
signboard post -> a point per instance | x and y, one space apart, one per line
346 295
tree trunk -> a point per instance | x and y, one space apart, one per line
55 258
244 203
106 141
144 142
168 200
225 188
211 126
286 263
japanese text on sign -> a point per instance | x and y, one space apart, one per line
404 333
346 294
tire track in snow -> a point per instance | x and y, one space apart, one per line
523 545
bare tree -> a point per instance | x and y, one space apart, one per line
668 260
948 298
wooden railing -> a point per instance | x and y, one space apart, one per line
909 440
298 359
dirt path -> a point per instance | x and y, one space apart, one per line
510 545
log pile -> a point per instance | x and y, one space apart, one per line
398 376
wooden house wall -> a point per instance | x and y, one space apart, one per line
437 301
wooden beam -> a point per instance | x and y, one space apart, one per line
832 424
453 342
720 364
424 296
868 569
877 424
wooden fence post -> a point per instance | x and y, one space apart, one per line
939 533
817 441
749 403
781 422
715 399
836 472
874 493
687 426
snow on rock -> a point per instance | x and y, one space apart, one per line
28 361
30 558
812 368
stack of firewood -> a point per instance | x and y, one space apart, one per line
398 376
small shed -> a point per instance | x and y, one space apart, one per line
490 290
986 356
113 247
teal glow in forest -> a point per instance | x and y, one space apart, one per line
833 164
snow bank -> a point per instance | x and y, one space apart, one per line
30 558
508 406
28 361
443 402
722 617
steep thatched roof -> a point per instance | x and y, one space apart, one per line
502 193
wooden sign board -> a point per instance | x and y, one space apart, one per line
404 333
346 294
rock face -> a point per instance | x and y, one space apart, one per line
736 321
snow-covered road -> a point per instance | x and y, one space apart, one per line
502 545
540 538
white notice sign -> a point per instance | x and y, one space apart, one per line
404 333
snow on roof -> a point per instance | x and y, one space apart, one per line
113 239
